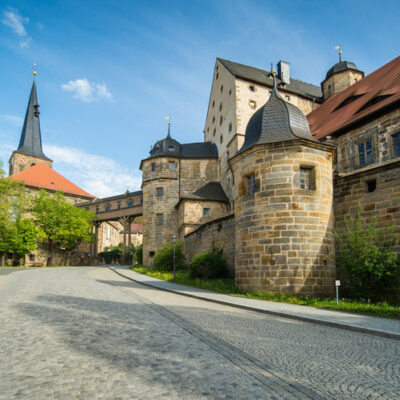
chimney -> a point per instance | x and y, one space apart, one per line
283 71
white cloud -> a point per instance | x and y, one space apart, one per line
87 91
12 120
100 176
16 22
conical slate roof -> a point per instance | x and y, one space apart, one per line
31 140
276 121
166 147
341 66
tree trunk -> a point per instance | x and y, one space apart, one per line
50 260
68 257
3 259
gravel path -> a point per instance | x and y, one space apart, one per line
87 333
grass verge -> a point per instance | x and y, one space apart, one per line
227 286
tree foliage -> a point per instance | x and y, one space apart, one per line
365 259
209 265
164 258
63 225
18 233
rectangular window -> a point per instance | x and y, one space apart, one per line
365 153
171 165
252 88
153 166
160 192
252 104
306 178
251 184
159 219
31 257
396 144
108 207
130 203
119 205
206 212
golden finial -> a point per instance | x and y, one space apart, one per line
34 72
340 52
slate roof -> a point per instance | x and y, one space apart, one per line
41 176
373 94
341 66
262 77
212 191
199 150
31 141
276 121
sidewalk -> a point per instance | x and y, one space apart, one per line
385 327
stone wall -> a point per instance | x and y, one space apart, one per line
339 82
19 162
284 239
188 176
191 215
221 231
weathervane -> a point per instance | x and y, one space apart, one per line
340 52
169 125
34 72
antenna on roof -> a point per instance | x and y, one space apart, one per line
340 52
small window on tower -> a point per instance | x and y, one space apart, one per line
213 120
159 219
220 106
214 131
220 120
222 88
252 88
230 127
216 76
171 165
160 192
396 144
213 103
251 184
221 138
153 166
306 178
206 212
252 104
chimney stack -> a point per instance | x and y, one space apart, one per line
283 71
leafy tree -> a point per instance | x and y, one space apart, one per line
164 258
365 259
18 234
209 265
63 225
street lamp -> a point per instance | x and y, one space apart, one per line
174 240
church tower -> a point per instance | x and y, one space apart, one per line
29 151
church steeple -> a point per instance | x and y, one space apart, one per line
29 151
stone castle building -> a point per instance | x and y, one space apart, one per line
269 184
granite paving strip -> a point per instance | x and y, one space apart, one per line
331 363
384 327
66 335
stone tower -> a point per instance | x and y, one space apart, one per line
283 204
160 185
29 151
342 75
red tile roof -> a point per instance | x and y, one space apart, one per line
358 101
44 177
137 228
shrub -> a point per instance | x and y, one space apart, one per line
209 265
365 259
164 258
139 255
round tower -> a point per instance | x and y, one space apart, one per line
283 204
342 75
160 185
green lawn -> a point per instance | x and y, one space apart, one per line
228 286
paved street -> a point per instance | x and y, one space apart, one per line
87 333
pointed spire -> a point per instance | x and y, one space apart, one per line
274 92
31 140
169 127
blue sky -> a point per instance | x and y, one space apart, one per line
110 71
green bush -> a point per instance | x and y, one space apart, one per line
366 261
139 255
164 258
209 265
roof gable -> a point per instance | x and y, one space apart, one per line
43 177
262 77
371 94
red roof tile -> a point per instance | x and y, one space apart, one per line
44 177
334 114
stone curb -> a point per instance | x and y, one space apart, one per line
353 328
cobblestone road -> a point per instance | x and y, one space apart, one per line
87 333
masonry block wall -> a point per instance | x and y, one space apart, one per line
221 231
284 237
19 162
